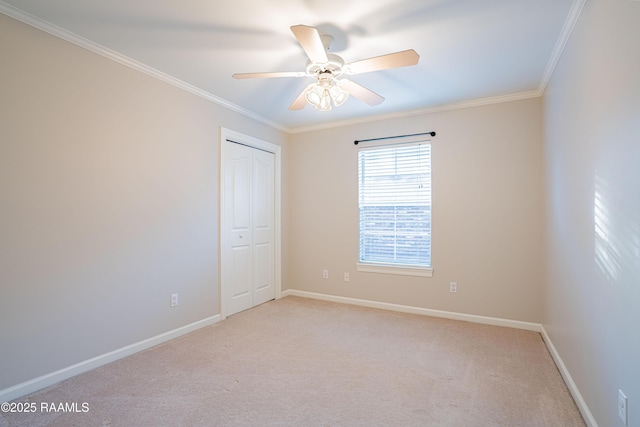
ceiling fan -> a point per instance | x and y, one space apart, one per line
326 68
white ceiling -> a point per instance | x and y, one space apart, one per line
470 50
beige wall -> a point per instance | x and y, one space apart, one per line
592 294
108 203
487 213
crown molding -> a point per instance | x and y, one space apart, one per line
567 30
420 111
87 44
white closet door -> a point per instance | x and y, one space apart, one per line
263 227
249 239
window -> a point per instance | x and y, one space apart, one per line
394 194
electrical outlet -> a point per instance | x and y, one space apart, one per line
325 274
623 411
174 300
346 277
453 287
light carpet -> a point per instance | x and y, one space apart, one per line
303 362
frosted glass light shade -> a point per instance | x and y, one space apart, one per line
323 93
319 97
338 95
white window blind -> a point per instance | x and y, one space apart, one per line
395 205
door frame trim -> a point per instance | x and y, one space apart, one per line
227 135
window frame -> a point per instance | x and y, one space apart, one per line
396 268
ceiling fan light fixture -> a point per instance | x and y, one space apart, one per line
319 97
326 92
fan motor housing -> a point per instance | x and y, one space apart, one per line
333 65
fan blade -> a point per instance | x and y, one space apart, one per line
391 60
361 92
269 75
311 43
301 101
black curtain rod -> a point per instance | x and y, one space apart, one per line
392 137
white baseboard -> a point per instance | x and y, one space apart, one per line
571 385
49 379
496 321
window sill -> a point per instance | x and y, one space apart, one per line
395 269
